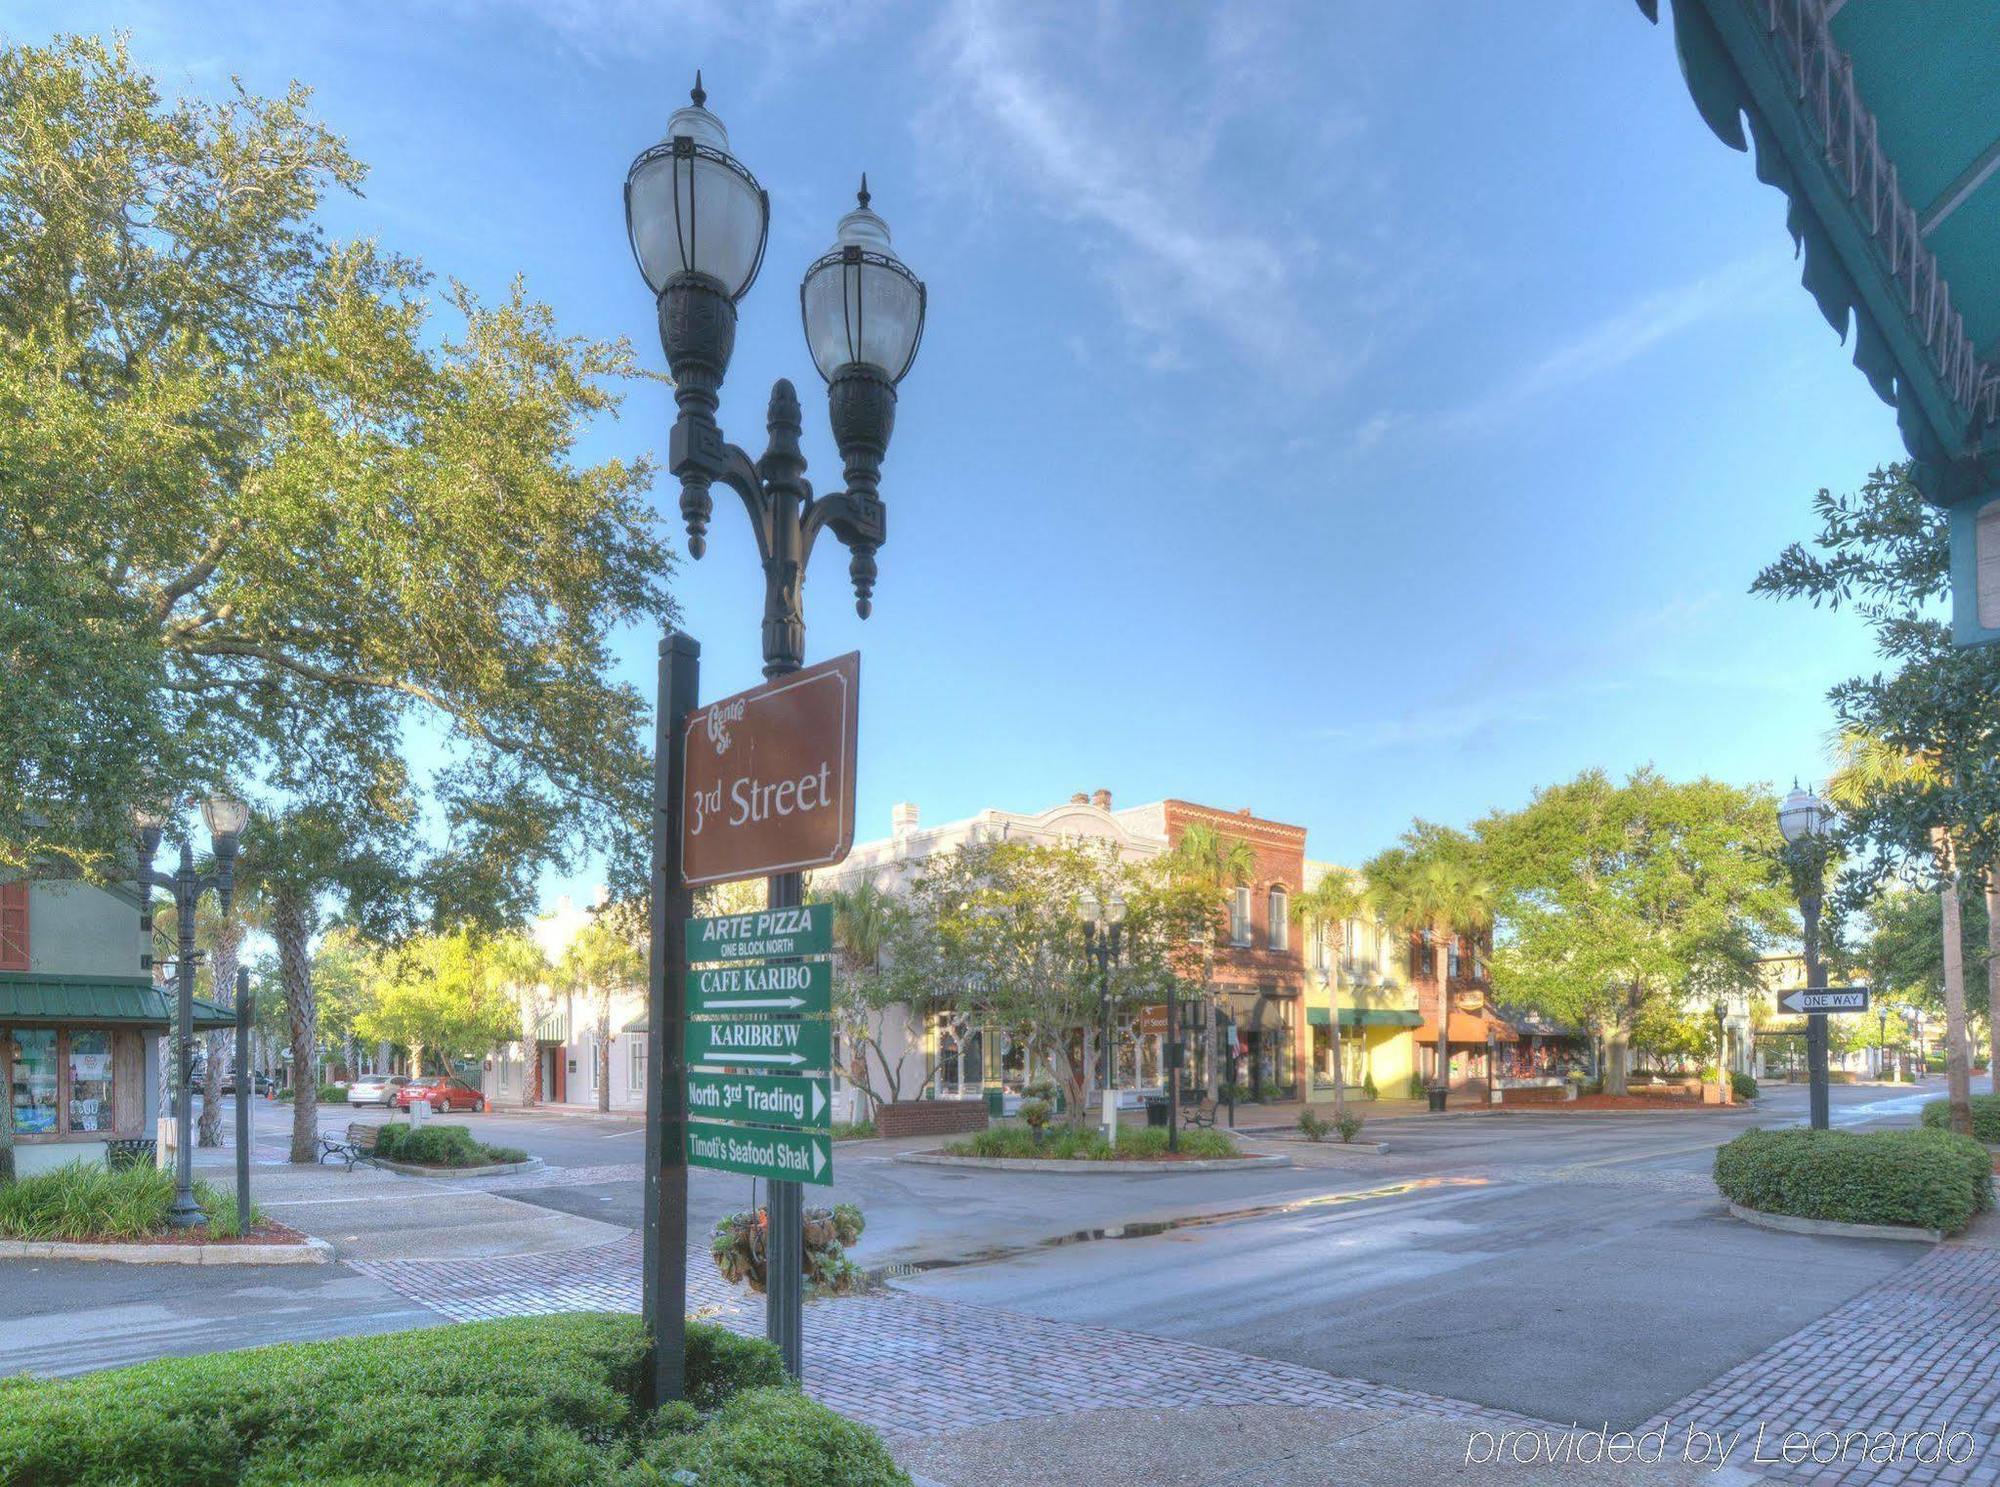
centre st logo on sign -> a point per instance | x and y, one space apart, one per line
769 784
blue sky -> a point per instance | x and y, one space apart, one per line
1350 411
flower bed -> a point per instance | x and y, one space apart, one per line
440 1146
1985 1117
1070 1145
1925 1179
86 1203
534 1401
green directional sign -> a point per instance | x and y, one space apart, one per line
803 988
782 1156
776 1046
768 934
763 1099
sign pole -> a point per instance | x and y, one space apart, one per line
1815 1021
246 1091
665 1259
784 1250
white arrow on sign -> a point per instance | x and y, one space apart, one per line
755 1003
731 1056
819 1159
819 1101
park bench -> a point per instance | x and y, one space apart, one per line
1199 1112
357 1146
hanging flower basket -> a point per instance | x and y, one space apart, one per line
740 1244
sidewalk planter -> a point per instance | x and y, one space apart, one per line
1924 1180
452 1174
1081 1168
930 1118
307 1251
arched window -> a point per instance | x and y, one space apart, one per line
1278 924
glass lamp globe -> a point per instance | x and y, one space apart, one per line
1803 816
225 815
862 305
691 207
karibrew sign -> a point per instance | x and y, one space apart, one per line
769 782
800 989
780 1047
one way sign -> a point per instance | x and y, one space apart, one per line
1825 999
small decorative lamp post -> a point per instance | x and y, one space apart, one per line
1804 820
1722 1086
1881 1038
1103 932
225 818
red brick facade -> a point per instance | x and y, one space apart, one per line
930 1117
1243 971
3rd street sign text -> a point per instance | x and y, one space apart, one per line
781 1047
801 989
762 1099
782 1156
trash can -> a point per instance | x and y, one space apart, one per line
1156 1110
1436 1093
996 1103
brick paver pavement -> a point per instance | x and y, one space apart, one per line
1920 1350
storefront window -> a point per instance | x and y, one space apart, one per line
89 1081
35 1082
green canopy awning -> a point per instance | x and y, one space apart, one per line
1881 124
1364 1017
30 996
639 1024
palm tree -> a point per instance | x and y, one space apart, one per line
1440 897
1322 912
861 924
1867 765
1206 859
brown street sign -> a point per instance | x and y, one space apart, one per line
769 785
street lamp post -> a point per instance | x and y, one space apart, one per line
1103 931
1804 820
1881 1038
226 819
1721 1010
698 223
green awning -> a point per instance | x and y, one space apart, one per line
553 1029
1881 124
31 996
1364 1017
639 1024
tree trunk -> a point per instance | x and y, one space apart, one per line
1957 1061
1617 1058
6 1108
294 917
604 1055
1439 962
1993 974
1333 1040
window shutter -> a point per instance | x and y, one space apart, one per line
14 926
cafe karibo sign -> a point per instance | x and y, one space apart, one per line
769 781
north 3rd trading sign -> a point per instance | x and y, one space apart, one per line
769 784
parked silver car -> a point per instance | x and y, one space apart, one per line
376 1089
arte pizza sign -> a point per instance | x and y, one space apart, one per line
769 784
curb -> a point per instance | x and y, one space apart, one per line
454 1174
1833 1228
312 1252
1090 1169
1344 1148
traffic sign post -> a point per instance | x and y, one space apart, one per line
1817 1001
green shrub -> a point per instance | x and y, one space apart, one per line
536 1401
440 1146
1035 1114
1927 1178
83 1200
1312 1126
1269 1094
1985 1117
1232 1093
854 1130
1417 1086
288 1093
1742 1085
1349 1125
1368 1087
1072 1145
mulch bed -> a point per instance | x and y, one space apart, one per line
264 1233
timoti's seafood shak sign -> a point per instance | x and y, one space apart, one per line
769 784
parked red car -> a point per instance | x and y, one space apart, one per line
443 1091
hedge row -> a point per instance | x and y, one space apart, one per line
537 1401
83 1200
1926 1178
440 1146
1985 1117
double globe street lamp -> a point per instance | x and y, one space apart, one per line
225 818
1103 939
1806 823
698 223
